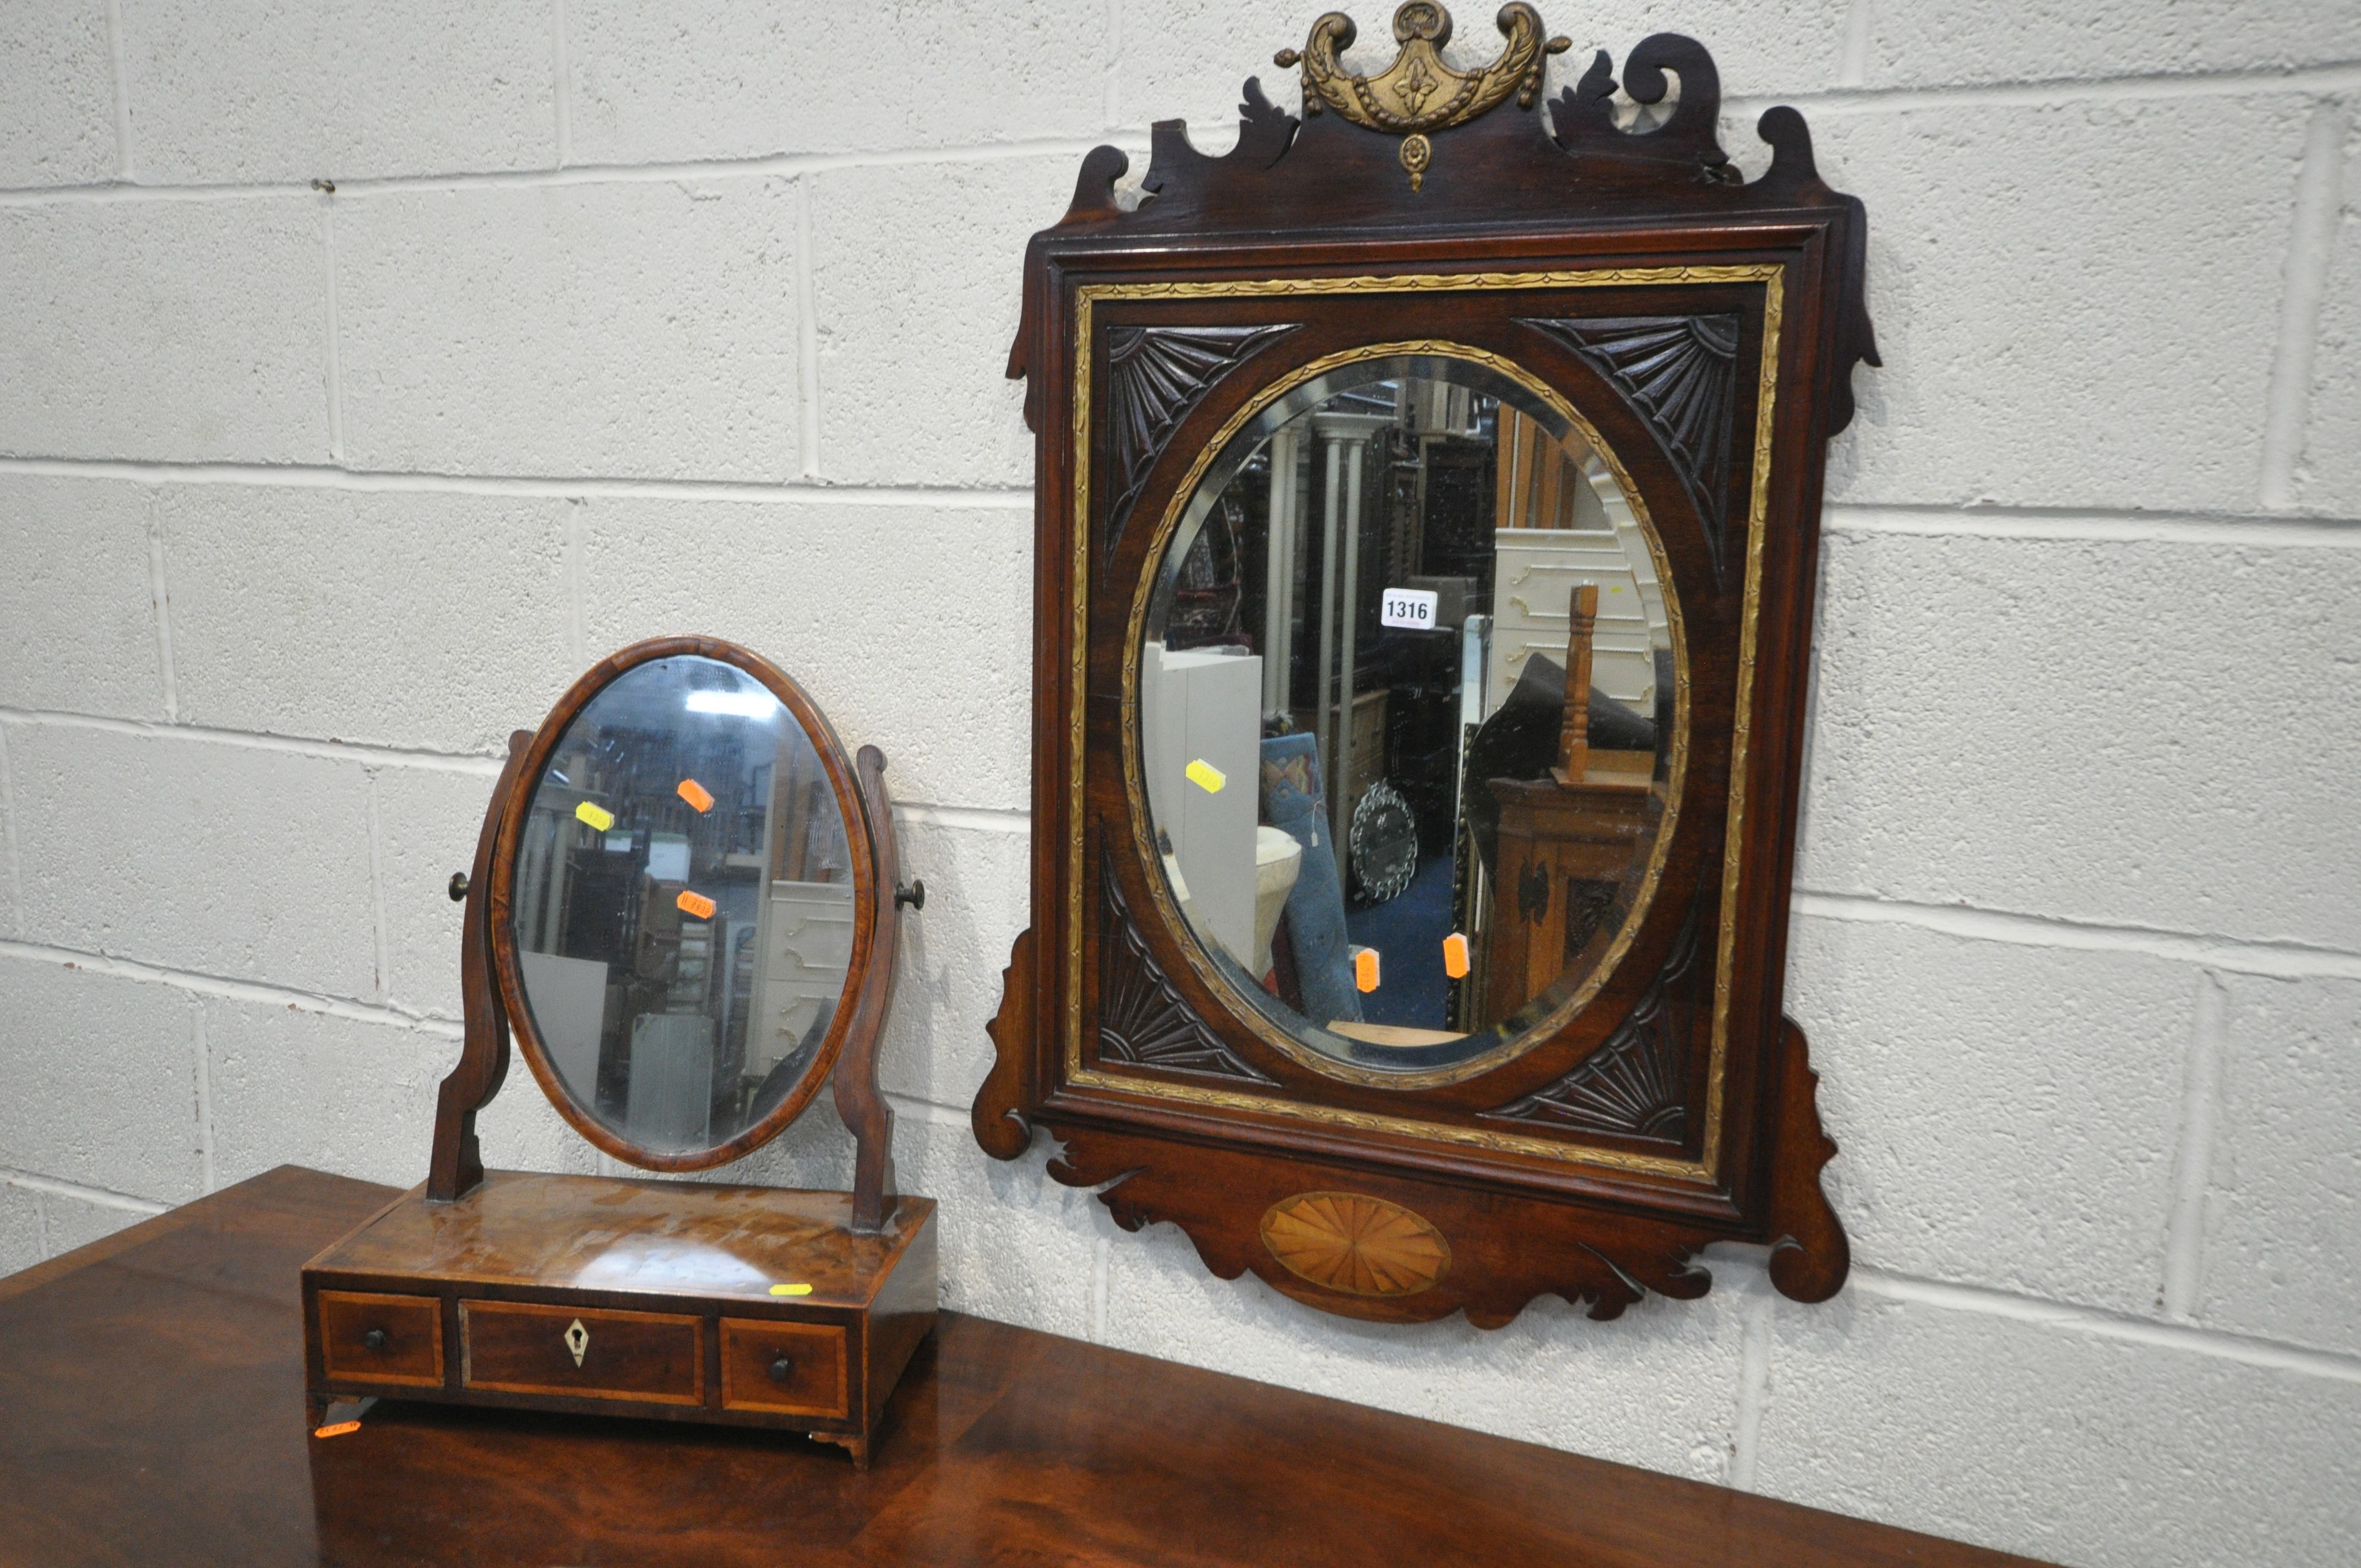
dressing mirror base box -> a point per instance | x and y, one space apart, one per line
676 1301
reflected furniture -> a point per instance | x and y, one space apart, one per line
998 1449
1440 334
1568 842
684 901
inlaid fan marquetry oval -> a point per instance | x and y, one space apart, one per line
1361 1246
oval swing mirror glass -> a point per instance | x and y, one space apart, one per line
689 899
1409 715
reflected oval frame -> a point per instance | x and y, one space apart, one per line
859 841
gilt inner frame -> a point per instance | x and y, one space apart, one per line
1771 276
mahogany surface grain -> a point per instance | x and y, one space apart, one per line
151 1383
526 1228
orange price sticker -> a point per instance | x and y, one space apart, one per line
1364 969
695 904
1454 956
697 795
339 1430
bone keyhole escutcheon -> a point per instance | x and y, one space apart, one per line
577 1340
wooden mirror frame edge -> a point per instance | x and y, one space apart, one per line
492 992
1617 1240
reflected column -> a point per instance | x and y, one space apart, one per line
1279 577
1345 438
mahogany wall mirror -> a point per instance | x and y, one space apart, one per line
686 903
1427 521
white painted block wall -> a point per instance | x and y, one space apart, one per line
626 318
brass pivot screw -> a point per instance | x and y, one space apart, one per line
458 887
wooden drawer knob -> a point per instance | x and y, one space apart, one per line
374 1339
782 1369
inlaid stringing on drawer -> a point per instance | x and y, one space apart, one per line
588 1353
369 1337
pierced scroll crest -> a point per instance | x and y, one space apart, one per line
1419 92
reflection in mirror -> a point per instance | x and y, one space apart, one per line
1407 704
683 912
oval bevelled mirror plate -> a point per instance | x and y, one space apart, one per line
683 913
1409 715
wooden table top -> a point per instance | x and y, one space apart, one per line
152 1385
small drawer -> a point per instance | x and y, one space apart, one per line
367 1338
794 1368
516 1347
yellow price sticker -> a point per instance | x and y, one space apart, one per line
599 819
790 1290
1207 777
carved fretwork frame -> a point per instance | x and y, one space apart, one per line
1705 329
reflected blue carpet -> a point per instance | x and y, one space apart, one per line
1408 933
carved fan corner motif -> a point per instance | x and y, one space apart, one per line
1680 373
1155 376
1142 1022
1635 1085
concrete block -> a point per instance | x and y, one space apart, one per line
59 82
704 79
910 626
2008 1116
626 329
225 860
2125 733
2053 1441
2328 474
1188 61
914 351
2027 363
172 331
77 1222
978 897
427 821
519 1131
362 617
815 1152
1017 1246
272 89
1925 42
1656 1388
103 1080
77 617
20 1229
337 1094
2282 1251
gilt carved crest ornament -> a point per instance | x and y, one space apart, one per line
1445 459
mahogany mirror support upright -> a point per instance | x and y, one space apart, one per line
1427 516
674 1301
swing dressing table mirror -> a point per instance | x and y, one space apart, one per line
1427 508
685 902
